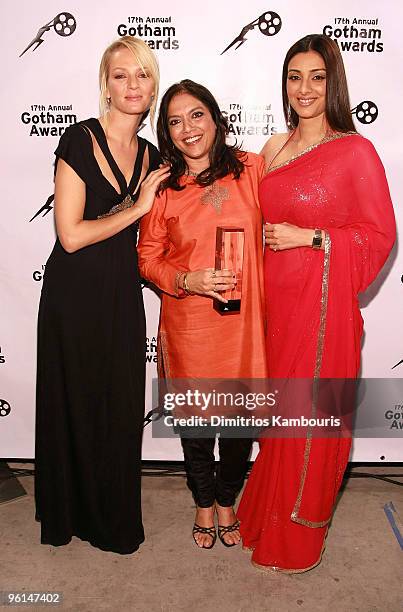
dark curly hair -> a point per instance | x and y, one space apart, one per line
224 159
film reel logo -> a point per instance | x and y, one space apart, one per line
45 209
366 112
64 24
5 408
269 24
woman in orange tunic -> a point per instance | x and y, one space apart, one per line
211 185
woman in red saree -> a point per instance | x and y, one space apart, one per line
330 227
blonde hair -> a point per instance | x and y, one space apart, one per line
143 56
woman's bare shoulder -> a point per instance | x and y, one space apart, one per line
274 143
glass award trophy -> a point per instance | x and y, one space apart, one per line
229 256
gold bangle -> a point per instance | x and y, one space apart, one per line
178 277
185 284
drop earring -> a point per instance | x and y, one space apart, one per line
289 122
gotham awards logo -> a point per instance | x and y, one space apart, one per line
157 32
354 34
249 120
37 275
64 24
269 24
366 112
394 417
45 209
49 120
151 350
5 408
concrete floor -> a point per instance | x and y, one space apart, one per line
361 571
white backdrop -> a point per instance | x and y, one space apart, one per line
55 83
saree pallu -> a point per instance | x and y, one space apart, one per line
314 331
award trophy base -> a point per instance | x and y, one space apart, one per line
231 307
229 256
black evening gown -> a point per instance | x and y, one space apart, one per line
91 369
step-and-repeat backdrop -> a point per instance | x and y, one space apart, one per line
50 57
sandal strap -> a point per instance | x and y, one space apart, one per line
211 531
223 529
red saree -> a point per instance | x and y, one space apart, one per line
314 330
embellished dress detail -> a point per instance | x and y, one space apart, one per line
128 202
215 195
314 331
91 367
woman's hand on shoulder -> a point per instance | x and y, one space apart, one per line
149 188
70 193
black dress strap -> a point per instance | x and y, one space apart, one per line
137 166
96 129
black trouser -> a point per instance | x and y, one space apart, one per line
207 484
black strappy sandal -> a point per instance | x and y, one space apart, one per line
223 529
211 531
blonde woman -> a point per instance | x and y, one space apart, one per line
91 327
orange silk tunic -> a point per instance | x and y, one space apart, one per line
179 234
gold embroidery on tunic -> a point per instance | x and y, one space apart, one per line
177 279
215 195
164 370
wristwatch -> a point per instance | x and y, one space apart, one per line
317 239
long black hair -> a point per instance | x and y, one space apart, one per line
224 159
337 109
